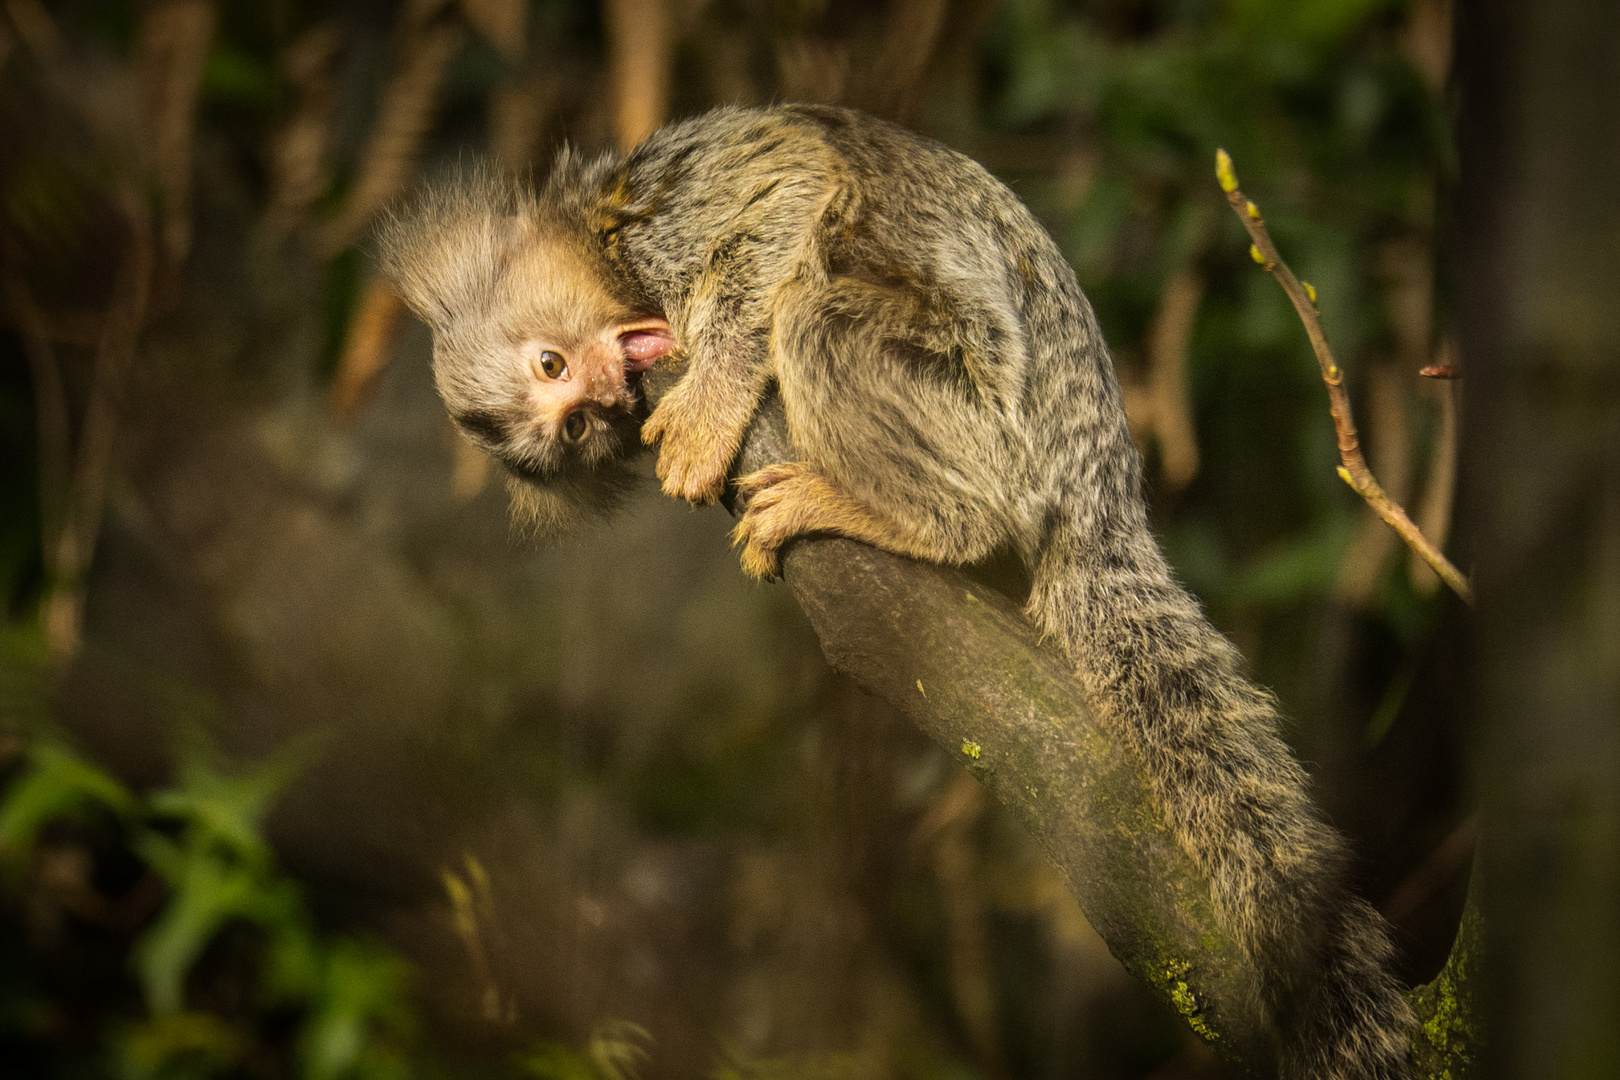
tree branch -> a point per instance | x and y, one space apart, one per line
1446 1045
965 665
1354 470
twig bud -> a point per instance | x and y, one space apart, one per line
1224 173
1253 210
1310 290
1254 253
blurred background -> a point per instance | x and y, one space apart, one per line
311 767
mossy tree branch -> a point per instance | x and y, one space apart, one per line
1446 1045
963 663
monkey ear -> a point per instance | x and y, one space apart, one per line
645 342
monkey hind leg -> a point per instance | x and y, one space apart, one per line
793 499
880 402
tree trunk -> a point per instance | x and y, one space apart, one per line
1538 289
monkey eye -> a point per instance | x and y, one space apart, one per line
573 428
553 365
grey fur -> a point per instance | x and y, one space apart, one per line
949 391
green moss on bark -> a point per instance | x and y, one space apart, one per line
1447 1040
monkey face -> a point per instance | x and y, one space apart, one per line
579 388
558 399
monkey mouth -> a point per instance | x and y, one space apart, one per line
575 427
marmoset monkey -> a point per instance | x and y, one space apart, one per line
948 393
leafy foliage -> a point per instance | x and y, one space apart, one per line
324 1006
615 1052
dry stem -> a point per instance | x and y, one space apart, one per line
1354 470
946 830
52 420
1434 513
910 39
639 53
365 353
74 478
300 152
173 44
403 119
1363 569
68 553
1169 343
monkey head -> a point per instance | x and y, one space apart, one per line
544 378
536 354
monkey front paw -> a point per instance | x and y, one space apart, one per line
781 504
692 460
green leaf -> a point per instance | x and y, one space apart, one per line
225 803
548 1060
363 992
207 893
181 1044
58 783
615 1052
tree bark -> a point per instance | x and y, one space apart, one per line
964 664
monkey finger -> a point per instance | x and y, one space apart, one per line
771 475
671 415
760 561
696 479
774 516
761 564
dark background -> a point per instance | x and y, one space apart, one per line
519 793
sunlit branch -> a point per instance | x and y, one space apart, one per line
1353 470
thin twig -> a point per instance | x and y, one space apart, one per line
472 915
52 423
300 152
910 38
1433 873
69 552
75 473
404 117
173 44
1354 470
947 830
1363 569
1169 341
1434 513
365 353
502 23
